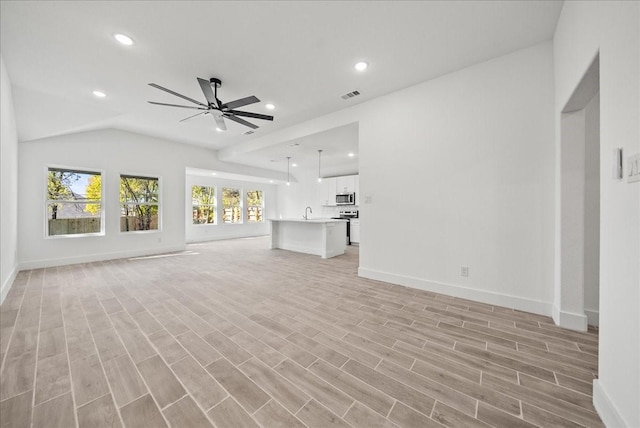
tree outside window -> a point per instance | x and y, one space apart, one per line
74 202
255 206
139 202
204 204
231 205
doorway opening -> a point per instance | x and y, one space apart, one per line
578 277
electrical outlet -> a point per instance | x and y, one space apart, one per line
464 270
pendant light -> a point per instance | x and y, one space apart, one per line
288 181
319 156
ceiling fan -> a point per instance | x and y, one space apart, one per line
214 107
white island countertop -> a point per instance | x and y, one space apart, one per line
325 237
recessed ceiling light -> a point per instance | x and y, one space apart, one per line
213 173
294 165
361 66
270 106
270 181
99 94
351 155
125 40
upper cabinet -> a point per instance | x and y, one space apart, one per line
328 192
330 187
346 184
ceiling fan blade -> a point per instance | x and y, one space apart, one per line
177 94
207 91
241 102
219 122
242 122
197 114
249 114
176 105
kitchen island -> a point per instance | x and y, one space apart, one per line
323 237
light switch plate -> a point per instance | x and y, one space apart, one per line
616 165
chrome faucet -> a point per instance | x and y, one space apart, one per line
306 217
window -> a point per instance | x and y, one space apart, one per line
74 202
139 203
231 205
255 206
204 204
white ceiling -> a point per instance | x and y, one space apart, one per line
297 55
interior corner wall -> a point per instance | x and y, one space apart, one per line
592 211
112 152
8 185
459 172
211 232
612 29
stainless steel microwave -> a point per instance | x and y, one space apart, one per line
346 199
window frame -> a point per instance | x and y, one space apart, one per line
214 205
241 202
246 208
47 201
159 204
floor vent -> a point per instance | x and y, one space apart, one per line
350 95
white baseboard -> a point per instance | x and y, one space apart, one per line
569 320
605 407
593 317
489 297
6 286
207 238
37 264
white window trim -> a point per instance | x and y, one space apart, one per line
246 209
214 205
45 198
242 198
160 202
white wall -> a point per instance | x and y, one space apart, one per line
612 29
8 185
209 232
460 170
113 152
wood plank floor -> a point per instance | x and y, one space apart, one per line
231 334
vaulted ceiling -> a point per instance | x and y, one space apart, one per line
297 55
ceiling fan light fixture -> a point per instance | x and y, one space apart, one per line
215 108
99 94
351 155
270 106
123 39
361 66
220 129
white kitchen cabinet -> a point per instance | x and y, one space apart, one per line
328 192
355 230
346 184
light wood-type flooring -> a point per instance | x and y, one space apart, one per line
232 334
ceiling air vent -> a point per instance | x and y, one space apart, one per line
249 132
350 95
